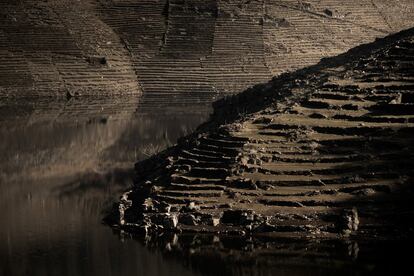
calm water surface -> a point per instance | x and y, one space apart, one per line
61 164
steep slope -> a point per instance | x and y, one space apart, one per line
213 48
177 52
323 151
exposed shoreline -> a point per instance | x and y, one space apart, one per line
325 152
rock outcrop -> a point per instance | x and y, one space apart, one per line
326 152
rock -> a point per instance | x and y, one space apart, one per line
164 207
184 168
364 192
155 189
231 216
238 217
233 195
247 217
245 183
251 169
215 221
244 160
245 201
265 186
397 99
251 161
97 60
148 205
193 207
124 204
156 219
262 120
146 220
226 205
170 221
350 107
69 95
210 220
190 207
188 219
283 23
348 221
235 127
174 209
328 12
264 228
266 159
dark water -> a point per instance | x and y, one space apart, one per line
61 164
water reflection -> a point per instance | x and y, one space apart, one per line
61 163
235 255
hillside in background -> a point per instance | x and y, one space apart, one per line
175 51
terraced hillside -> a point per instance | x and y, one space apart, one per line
213 48
325 151
60 48
177 52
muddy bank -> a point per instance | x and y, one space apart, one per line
324 152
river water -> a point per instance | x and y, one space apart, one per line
61 164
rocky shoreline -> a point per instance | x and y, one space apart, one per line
323 152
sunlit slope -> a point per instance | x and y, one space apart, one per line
177 52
